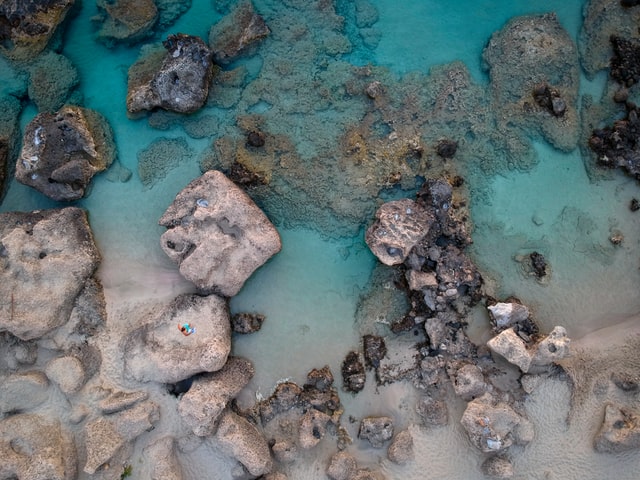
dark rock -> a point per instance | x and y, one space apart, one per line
177 80
629 3
286 396
246 322
377 430
634 205
255 138
497 467
245 178
539 264
353 374
312 428
625 63
447 148
236 33
550 99
62 151
374 350
320 379
626 382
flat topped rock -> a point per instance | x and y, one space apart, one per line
159 352
45 259
217 235
62 151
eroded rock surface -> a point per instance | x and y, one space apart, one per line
125 20
217 235
176 80
157 351
620 430
45 257
62 151
377 430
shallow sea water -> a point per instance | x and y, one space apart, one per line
310 291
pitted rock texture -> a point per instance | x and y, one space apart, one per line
176 80
217 235
126 20
45 259
62 151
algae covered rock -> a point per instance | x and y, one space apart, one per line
217 235
62 151
125 20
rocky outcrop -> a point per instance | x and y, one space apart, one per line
26 26
62 151
535 76
353 374
52 79
202 405
217 235
620 430
46 257
34 447
493 425
176 80
158 351
236 33
241 440
125 21
398 227
377 430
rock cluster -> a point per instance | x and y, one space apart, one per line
62 151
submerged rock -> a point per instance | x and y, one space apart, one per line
237 32
342 466
34 447
374 350
620 430
125 20
158 351
353 374
26 26
247 322
497 467
177 80
62 151
163 460
217 235
46 257
209 394
401 448
23 391
377 430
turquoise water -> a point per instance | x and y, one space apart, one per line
310 291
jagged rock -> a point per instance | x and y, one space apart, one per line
377 430
242 441
313 427
620 430
35 448
163 460
209 394
497 467
550 99
119 400
401 448
508 314
469 382
432 411
28 25
177 80
553 347
320 378
62 151
538 264
419 280
374 350
625 67
125 21
398 227
446 148
342 466
108 437
353 374
217 235
236 33
45 259
67 372
247 322
508 344
23 391
493 426
285 397
158 351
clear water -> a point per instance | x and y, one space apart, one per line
310 291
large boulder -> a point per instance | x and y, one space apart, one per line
35 448
62 151
158 351
398 227
242 441
620 430
513 348
45 259
217 235
236 33
209 394
125 20
176 80
26 26
493 426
